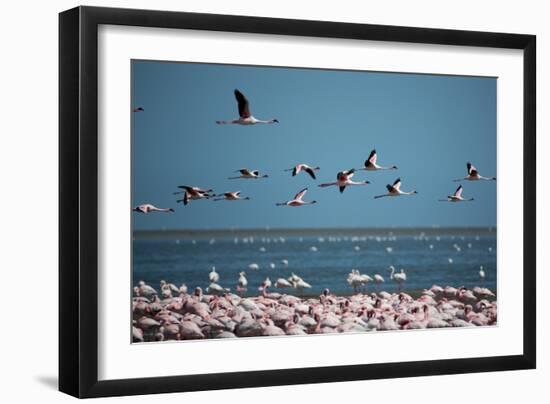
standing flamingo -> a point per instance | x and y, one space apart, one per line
456 197
370 164
395 190
343 179
248 174
245 117
473 175
304 167
297 201
481 273
213 275
242 283
399 277
148 208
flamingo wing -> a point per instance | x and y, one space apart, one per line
310 171
471 169
244 110
300 195
372 157
397 184
342 189
458 192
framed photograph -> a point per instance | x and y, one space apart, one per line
265 201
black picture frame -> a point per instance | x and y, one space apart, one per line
78 200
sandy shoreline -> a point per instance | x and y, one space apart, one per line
182 316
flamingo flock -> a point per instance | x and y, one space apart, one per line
343 178
176 314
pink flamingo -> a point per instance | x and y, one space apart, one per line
343 180
245 117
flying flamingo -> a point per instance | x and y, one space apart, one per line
245 117
232 196
304 167
138 109
456 197
193 190
248 174
370 164
343 179
394 190
192 193
148 208
473 175
297 201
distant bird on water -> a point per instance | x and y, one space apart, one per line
371 165
399 277
297 201
138 109
395 190
213 275
148 208
481 273
343 180
473 175
245 117
456 197
231 196
304 167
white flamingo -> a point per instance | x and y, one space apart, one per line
378 279
481 273
395 190
245 117
214 288
473 175
265 284
248 174
304 167
148 208
370 164
297 201
343 179
231 196
242 283
399 277
282 283
457 197
213 275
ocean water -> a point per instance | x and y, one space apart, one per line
189 258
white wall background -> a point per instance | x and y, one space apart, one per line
28 207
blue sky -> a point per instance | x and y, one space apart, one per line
427 125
